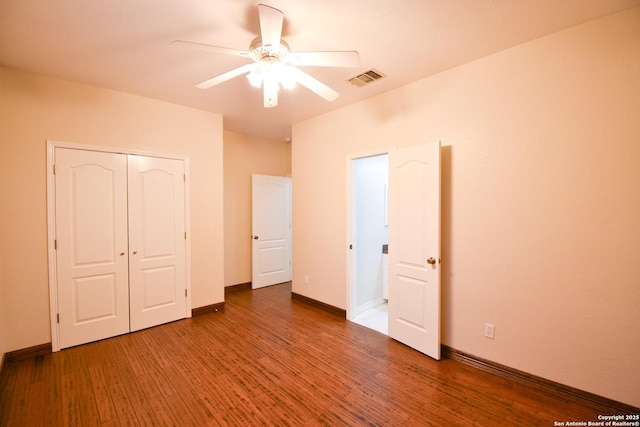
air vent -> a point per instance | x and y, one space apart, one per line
367 77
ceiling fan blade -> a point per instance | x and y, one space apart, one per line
210 48
271 20
314 85
225 76
346 59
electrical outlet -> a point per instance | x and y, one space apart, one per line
306 280
489 330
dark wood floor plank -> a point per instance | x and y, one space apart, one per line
70 401
8 381
41 415
154 349
52 377
164 416
187 397
266 360
36 415
125 412
104 403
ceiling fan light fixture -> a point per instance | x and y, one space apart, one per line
255 79
271 85
283 73
272 73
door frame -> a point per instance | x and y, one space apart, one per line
51 223
349 253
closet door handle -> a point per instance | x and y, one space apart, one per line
431 261
121 253
135 252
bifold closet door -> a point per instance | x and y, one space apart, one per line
120 243
91 245
157 241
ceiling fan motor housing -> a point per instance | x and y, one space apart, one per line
259 52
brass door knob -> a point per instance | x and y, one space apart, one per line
431 261
255 237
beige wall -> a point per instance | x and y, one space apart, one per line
36 108
245 155
541 201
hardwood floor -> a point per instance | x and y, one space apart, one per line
266 360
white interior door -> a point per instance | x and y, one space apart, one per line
157 241
91 242
271 223
414 247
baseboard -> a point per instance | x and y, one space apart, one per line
220 306
239 287
547 386
326 307
369 305
212 308
29 352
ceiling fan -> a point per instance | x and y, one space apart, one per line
273 62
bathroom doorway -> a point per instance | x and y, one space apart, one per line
368 236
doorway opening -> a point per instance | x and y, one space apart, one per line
368 278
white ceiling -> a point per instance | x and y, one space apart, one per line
126 45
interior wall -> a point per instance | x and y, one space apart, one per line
245 155
540 201
36 108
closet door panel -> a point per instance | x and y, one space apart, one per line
91 240
156 241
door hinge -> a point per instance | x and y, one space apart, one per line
185 293
54 168
185 235
184 177
55 244
58 317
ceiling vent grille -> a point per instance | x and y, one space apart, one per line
367 77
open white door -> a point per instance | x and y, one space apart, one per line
91 241
414 247
157 241
271 223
